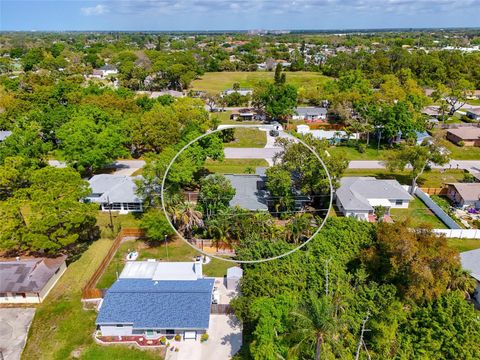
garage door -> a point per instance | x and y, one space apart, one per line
190 335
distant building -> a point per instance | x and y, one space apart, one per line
310 114
241 91
464 194
466 136
115 192
422 136
153 299
474 113
332 135
105 71
29 281
358 196
247 115
432 111
156 94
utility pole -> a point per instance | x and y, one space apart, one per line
166 247
362 342
110 212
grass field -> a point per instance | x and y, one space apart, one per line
234 166
248 138
433 178
417 214
215 82
351 152
464 244
61 326
119 221
177 251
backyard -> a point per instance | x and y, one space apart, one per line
464 244
216 82
417 214
178 250
61 329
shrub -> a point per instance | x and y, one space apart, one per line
178 337
461 143
361 147
204 337
163 340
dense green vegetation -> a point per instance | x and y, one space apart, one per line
311 304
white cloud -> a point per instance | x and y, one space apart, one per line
94 10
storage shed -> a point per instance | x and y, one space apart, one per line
234 274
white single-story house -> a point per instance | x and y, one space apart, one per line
331 135
310 113
157 94
115 192
153 299
104 71
358 196
29 281
234 274
464 194
241 91
471 262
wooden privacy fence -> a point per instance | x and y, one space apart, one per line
221 309
90 291
435 191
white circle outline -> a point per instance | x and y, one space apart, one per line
162 196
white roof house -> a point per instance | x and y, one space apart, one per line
358 196
115 192
157 270
234 274
4 134
310 113
241 91
325 134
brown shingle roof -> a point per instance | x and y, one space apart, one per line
468 191
466 133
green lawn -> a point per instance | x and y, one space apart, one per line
248 138
177 251
460 152
119 221
234 166
351 152
215 82
464 244
433 178
417 214
61 326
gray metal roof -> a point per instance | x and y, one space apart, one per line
114 189
471 261
354 192
30 275
247 193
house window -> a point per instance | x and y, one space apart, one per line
20 295
116 206
399 202
170 332
119 325
3 294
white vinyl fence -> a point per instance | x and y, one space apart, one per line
459 233
437 210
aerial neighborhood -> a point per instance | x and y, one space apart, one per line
260 194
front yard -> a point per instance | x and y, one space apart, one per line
248 138
235 166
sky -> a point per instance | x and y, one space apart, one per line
62 15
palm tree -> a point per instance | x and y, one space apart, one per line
314 322
186 218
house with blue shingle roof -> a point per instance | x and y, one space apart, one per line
153 299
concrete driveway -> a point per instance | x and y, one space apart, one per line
225 340
14 325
